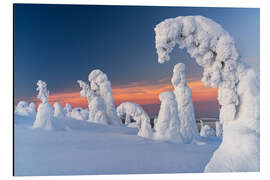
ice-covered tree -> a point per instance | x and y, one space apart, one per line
206 130
168 125
45 111
218 129
96 104
24 109
102 87
139 115
238 86
68 110
183 94
80 114
58 110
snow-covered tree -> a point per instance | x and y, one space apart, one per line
102 87
139 115
45 111
168 124
183 94
68 110
79 114
206 130
218 129
58 111
96 104
238 86
24 109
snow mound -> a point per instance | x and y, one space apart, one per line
206 130
139 115
238 85
58 110
183 94
168 124
24 109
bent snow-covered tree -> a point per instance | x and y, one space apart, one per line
188 127
238 86
45 111
139 115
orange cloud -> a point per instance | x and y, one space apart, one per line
138 92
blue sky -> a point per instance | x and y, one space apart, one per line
63 43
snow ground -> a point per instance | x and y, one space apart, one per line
89 148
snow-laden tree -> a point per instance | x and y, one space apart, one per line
238 86
167 127
218 129
45 111
68 110
24 109
58 110
102 87
183 94
139 115
96 104
80 114
206 130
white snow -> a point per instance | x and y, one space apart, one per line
188 127
24 109
45 111
219 130
90 148
206 130
238 86
138 114
79 114
68 110
58 110
168 124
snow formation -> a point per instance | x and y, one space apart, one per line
45 111
79 114
183 94
168 125
68 110
139 115
100 99
24 109
206 130
238 86
58 111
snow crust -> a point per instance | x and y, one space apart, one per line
183 94
168 124
238 86
139 115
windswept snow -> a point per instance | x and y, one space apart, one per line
238 86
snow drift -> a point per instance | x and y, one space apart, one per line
238 86
183 94
138 114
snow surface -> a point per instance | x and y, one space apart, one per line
90 148
183 94
238 86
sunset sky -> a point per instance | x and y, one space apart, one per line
60 44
